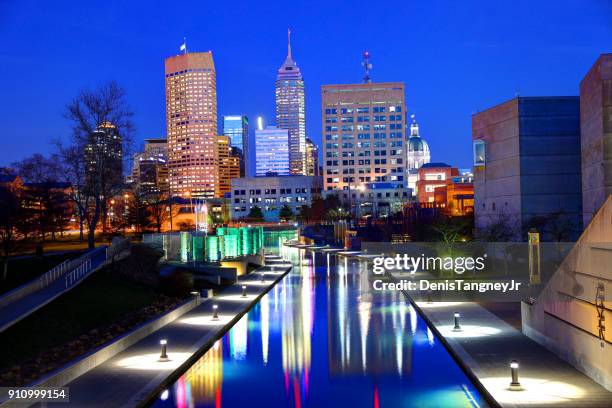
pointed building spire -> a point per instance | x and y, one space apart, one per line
414 127
288 43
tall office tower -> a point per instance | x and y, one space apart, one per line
104 156
312 158
364 134
272 152
290 110
150 168
236 127
191 119
228 166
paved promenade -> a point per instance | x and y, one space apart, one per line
486 345
128 378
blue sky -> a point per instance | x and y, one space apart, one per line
455 57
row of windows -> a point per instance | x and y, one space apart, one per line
376 109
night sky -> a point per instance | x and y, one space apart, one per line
455 57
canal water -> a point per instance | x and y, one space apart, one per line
322 338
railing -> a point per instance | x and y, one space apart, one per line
76 274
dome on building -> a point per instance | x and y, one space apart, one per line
417 149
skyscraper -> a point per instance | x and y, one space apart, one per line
290 110
272 152
312 158
364 127
191 119
228 165
104 157
236 127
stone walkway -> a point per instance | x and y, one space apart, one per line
486 345
134 374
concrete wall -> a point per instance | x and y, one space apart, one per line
564 318
532 150
596 130
497 184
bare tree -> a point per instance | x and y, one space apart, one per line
11 216
101 133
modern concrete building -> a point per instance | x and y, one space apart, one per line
191 120
596 135
364 137
291 110
430 177
312 158
272 151
270 194
228 166
418 154
236 127
378 199
527 165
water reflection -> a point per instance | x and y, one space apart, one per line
322 337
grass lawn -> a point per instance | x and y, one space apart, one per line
98 301
22 270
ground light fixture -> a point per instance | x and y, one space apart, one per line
262 277
215 312
457 327
164 350
244 291
515 385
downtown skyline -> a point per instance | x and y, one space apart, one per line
446 68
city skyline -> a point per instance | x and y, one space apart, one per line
417 58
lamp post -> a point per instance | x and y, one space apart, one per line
457 325
215 312
515 385
244 291
164 351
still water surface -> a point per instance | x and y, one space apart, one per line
322 338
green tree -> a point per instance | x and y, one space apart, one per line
285 213
256 214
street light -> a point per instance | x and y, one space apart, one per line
215 312
515 385
164 351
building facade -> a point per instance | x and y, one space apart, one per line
430 177
364 135
228 166
104 157
418 154
270 194
456 198
312 158
527 165
191 120
272 151
236 127
596 135
291 110
150 168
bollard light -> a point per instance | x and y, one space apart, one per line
515 385
164 350
457 325
195 293
215 312
262 277
244 293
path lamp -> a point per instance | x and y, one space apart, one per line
215 312
457 325
244 292
515 385
262 277
164 351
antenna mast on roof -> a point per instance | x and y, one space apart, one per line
367 66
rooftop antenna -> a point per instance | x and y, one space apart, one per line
367 66
289 43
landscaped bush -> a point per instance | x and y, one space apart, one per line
177 282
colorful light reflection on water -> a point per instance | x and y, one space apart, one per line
322 338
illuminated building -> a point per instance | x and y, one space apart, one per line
364 135
418 154
312 158
432 176
270 194
228 166
290 110
103 155
272 152
527 165
191 119
236 127
150 168
457 197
